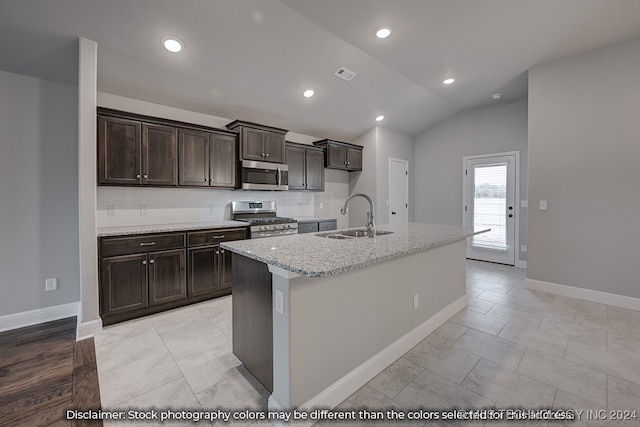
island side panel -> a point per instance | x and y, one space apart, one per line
339 322
253 318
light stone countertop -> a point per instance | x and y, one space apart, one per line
163 228
304 219
313 256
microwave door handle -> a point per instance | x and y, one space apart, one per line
279 177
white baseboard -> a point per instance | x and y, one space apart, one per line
585 294
89 329
350 383
41 315
521 264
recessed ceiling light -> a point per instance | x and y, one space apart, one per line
383 32
496 96
449 81
308 93
172 44
379 118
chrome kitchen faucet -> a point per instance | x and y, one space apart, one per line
371 228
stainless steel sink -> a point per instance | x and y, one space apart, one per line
351 234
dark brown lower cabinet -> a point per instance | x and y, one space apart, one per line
209 265
124 284
146 274
167 278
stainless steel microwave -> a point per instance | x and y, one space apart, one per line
264 176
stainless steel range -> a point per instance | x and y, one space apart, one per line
262 219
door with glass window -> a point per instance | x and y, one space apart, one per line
489 202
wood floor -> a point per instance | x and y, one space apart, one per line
44 372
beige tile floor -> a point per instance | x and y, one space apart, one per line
511 347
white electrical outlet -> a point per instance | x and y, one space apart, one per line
279 301
524 203
51 284
523 248
212 209
144 210
416 301
321 205
543 205
111 210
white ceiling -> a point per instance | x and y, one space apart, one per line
252 59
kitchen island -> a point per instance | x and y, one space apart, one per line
316 318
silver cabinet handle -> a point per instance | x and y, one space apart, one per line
217 252
138 176
144 262
219 237
151 261
147 243
222 251
146 176
267 154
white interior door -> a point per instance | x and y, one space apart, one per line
490 197
398 191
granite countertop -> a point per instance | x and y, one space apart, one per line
163 228
314 219
312 256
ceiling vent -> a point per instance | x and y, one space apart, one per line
345 74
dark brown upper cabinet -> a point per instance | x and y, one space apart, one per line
306 167
341 155
119 151
259 142
140 150
159 155
207 159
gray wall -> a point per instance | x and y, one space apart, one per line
38 193
584 154
438 158
379 144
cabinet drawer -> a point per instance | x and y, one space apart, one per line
307 227
327 225
199 238
140 244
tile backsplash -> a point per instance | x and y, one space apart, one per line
121 206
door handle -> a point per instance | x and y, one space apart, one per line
510 215
393 213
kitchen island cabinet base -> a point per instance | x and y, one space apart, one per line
333 334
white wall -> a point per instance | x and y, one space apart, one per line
170 205
438 158
584 152
38 193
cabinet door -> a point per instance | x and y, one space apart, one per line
223 161
226 269
296 163
274 147
203 270
354 159
118 151
159 160
167 276
194 158
252 148
314 170
336 156
123 285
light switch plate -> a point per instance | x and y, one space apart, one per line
51 284
543 205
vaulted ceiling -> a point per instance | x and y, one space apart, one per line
252 59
